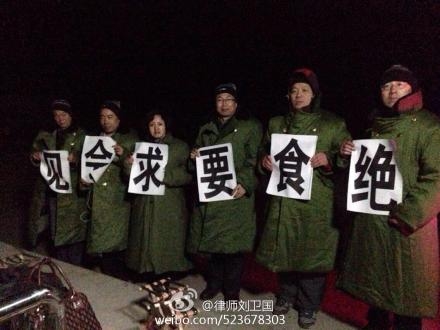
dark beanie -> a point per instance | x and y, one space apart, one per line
229 88
113 105
305 75
62 105
398 72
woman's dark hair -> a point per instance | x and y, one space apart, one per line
149 116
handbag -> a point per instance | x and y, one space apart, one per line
78 313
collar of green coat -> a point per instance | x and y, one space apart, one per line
405 108
400 122
229 127
166 139
300 118
315 106
411 102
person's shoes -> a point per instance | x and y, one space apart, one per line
281 306
306 319
209 293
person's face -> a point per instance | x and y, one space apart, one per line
62 119
393 91
157 127
109 121
300 95
226 105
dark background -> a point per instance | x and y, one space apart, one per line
173 53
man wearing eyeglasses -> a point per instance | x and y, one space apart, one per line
226 229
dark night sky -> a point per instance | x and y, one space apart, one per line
173 54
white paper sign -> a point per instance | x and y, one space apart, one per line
148 169
292 173
97 154
216 173
374 182
54 167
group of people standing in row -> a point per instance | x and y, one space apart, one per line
390 261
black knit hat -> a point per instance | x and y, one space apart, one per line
63 105
113 105
229 88
399 72
305 75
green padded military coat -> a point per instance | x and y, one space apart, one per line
67 227
110 204
384 267
158 224
300 235
229 226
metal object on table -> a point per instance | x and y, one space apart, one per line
32 305
26 305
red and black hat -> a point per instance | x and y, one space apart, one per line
305 75
399 72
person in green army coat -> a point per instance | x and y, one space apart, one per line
158 224
62 212
299 240
226 229
110 203
392 262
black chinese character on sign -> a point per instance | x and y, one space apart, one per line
55 171
148 171
216 169
291 159
99 155
382 174
361 167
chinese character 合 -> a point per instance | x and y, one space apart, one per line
101 154
98 152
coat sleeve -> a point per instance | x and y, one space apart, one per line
177 175
77 148
39 144
334 159
422 202
128 142
246 173
264 149
191 163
